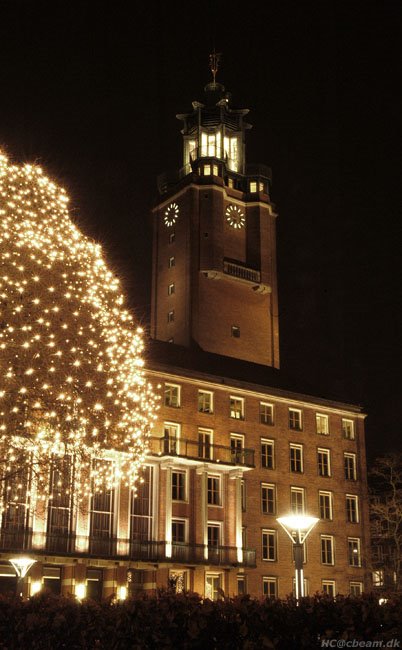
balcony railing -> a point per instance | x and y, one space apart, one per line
242 272
190 553
124 549
201 451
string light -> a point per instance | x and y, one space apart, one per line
72 384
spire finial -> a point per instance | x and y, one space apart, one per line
214 60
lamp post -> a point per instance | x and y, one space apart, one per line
21 566
298 527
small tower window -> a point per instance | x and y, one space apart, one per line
170 316
172 237
190 151
230 182
215 170
235 331
253 186
171 289
171 262
211 145
261 187
207 170
231 152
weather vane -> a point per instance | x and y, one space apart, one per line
214 60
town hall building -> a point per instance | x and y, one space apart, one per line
234 446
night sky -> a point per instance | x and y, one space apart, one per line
91 93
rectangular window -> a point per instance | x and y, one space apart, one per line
172 395
205 401
231 152
377 553
296 458
267 454
324 462
269 545
178 580
213 586
214 536
322 424
356 588
236 408
327 549
171 289
297 500
102 515
214 490
59 505
172 237
328 587
352 508
350 466
325 505
270 587
266 413
253 186
94 584
205 447
237 448
230 182
178 531
235 331
207 170
190 150
52 579
261 186
378 578
141 508
348 429
215 170
295 419
170 316
241 585
178 486
15 495
171 262
268 499
354 551
211 144
171 437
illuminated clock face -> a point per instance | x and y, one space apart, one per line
235 217
171 214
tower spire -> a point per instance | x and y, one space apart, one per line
214 60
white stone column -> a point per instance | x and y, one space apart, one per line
203 473
237 476
168 509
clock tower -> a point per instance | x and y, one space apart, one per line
214 278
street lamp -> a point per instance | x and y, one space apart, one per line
298 527
21 567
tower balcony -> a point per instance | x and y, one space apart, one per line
201 452
242 272
109 547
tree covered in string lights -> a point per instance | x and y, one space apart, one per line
71 374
